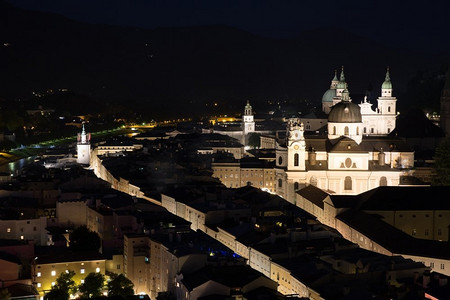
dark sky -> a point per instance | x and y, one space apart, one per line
423 25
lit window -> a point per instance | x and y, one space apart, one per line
53 283
82 281
53 273
82 271
97 270
39 284
38 274
21 237
8 230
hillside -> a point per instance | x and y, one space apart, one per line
182 71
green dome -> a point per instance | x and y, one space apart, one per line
387 81
341 85
329 95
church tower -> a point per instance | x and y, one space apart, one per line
330 94
296 146
247 119
340 87
84 148
445 106
387 106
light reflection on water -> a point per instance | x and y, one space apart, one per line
15 166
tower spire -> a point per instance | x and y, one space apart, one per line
342 78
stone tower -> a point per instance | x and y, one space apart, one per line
84 148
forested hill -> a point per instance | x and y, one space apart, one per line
180 71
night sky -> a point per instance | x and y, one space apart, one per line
423 25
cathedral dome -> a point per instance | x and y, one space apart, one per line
345 112
329 95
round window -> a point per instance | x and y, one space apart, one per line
348 162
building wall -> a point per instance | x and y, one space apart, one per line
422 224
260 262
28 229
45 274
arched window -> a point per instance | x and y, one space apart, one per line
313 180
280 183
280 160
348 183
296 159
365 130
389 130
296 186
389 109
346 130
334 130
383 181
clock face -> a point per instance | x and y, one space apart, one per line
296 147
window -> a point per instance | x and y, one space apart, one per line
442 266
365 130
383 181
389 130
82 281
280 183
431 264
371 130
346 130
39 284
334 130
296 159
389 109
414 232
439 232
348 162
8 230
426 232
296 186
97 270
357 130
348 183
280 160
53 283
313 180
82 271
38 274
53 273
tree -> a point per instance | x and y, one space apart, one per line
64 286
93 285
83 239
119 285
254 140
5 295
442 164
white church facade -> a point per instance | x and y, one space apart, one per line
355 156
378 121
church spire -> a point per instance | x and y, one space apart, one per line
342 78
386 87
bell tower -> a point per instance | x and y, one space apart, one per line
84 148
296 146
247 119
